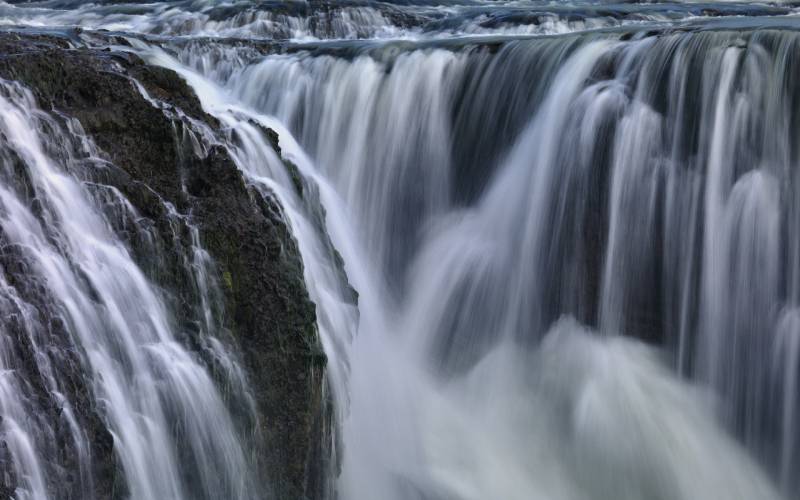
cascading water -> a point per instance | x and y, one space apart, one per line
575 255
173 435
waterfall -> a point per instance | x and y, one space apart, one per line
552 248
462 277
73 294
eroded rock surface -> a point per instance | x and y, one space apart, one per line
257 264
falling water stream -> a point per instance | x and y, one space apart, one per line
572 228
118 326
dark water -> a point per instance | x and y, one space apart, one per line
572 227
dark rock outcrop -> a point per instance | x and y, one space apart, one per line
266 305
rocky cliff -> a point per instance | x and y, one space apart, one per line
139 116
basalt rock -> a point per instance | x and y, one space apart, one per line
134 114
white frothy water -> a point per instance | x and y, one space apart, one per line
362 19
461 381
157 400
482 198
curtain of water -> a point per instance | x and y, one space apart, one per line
645 187
511 213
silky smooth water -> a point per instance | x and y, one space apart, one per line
173 434
576 255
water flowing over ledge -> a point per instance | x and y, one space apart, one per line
161 368
552 248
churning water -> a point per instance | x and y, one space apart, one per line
577 253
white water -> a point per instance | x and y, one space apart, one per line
363 19
158 401
456 384
481 201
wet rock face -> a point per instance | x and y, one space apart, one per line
266 305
